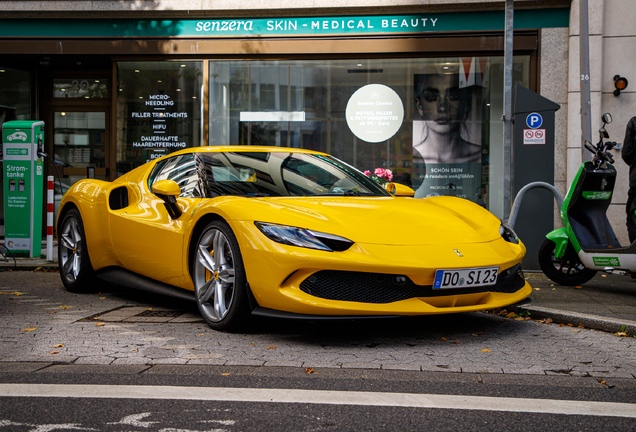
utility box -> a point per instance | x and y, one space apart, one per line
23 172
533 160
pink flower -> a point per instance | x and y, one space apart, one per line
367 173
385 174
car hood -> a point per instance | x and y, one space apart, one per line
377 220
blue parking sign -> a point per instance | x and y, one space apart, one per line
534 120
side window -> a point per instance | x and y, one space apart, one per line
182 170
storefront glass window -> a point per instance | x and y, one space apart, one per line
15 95
87 88
159 110
435 123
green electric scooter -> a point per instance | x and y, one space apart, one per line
586 244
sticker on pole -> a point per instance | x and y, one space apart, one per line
534 136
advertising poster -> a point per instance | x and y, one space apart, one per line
447 148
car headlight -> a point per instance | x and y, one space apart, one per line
507 233
302 237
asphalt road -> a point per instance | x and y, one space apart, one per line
134 362
133 398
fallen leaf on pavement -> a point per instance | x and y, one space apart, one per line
561 325
52 312
54 352
603 382
134 349
226 374
485 350
578 287
253 344
102 298
271 347
576 330
478 334
201 334
58 346
15 293
519 319
99 324
442 338
621 334
149 309
455 341
309 370
511 314
537 289
65 307
570 325
28 329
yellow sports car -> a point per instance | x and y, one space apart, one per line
285 232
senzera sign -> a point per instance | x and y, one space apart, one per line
285 26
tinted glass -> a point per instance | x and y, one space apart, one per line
180 169
280 174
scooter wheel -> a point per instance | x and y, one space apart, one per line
567 270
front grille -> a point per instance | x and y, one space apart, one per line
388 288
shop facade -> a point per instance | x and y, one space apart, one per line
417 90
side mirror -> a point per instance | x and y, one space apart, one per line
399 190
603 132
168 191
607 118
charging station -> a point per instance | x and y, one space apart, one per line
23 176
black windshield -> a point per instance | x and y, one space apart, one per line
280 174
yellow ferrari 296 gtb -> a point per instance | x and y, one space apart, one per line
285 232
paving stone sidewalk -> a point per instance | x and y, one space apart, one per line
41 322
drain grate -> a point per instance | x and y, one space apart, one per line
160 313
142 314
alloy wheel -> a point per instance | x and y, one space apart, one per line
214 275
71 249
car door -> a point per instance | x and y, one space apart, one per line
146 239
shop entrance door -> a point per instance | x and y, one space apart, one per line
80 146
78 124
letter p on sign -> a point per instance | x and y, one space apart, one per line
534 121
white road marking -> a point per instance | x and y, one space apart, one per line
414 400
135 420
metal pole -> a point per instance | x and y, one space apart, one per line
507 110
50 206
586 104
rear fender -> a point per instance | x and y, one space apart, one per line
560 239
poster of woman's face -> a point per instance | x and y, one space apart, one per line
447 134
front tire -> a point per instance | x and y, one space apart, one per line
72 254
567 270
220 283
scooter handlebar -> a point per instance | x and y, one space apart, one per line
590 147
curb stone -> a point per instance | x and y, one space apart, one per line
595 322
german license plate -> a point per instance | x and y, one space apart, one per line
465 278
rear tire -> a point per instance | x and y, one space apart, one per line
567 270
72 254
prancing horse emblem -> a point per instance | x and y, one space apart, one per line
459 254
